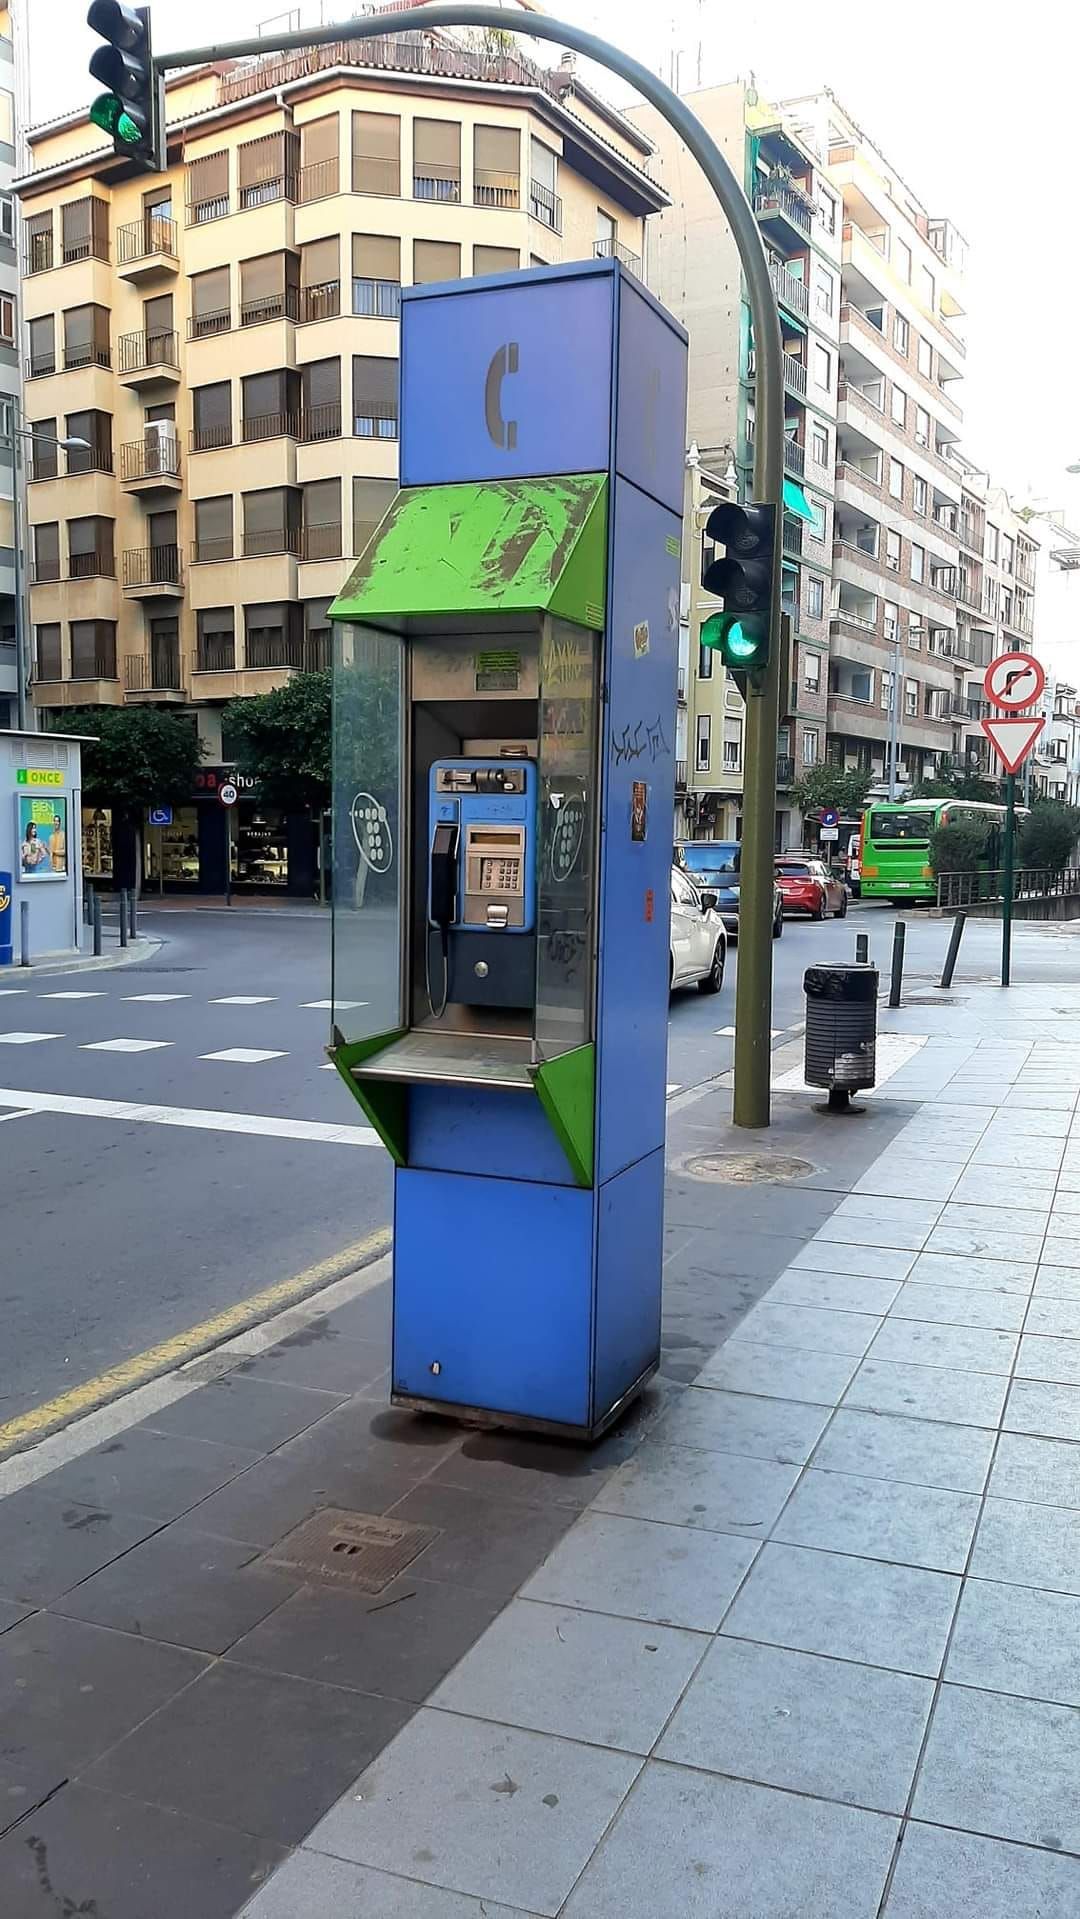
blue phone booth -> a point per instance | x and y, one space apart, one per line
504 737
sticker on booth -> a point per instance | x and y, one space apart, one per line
43 844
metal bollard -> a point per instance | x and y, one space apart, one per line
24 932
88 906
123 916
896 982
133 908
96 922
953 953
862 949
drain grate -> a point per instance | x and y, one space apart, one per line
360 1550
744 1169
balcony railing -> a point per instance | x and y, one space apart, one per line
494 189
260 545
793 534
158 674
208 552
215 654
97 662
40 365
38 254
203 439
545 206
152 566
789 290
296 653
87 353
794 456
376 173
785 769
200 211
321 302
794 374
91 459
202 325
320 422
142 352
322 542
98 565
319 181
786 200
49 660
278 186
87 246
375 419
611 250
43 571
376 299
434 181
142 239
270 426
848 618
284 304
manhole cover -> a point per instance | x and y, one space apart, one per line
742 1169
352 1549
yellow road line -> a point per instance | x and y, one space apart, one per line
174 1352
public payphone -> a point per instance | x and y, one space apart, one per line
504 734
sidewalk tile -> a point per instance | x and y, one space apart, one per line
846 1608
481 1809
875 1210
986 1240
485 1543
983 1185
928 1392
322 1358
253 1750
715 1492
1018 1154
641 1570
921 1452
582 1675
1057 1282
810 1328
399 1645
778 1372
147 1472
183 1587
1037 1125
1015 1639
880 1519
959 1872
138 1859
261 1505
1050 1357
960 1306
843 1230
710 1848
1044 1470
1045 1101
48 1545
932 1179
1028 1545
312 1886
841 1292
540 1471
811 1725
1050 1412
68 1691
1002 1766
985 1275
737 1423
12 1611
1063 1216
976 1349
870 1262
256 1413
1059 1248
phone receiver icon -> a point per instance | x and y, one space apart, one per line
502 432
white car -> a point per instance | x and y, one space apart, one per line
698 938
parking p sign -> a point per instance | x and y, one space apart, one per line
829 816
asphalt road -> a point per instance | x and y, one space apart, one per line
118 1230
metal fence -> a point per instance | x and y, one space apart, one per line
988 888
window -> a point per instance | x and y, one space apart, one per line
1007 550
822 366
49 656
38 257
375 398
41 338
370 499
212 416
902 259
158 332
817 524
210 308
811 671
810 745
900 334
918 494
495 260
269 288
86 337
992 539
898 407
7 320
207 188
704 731
270 404
96 429
436 160
322 520
916 632
892 550
890 620
376 276
7 217
273 635
90 548
826 208
607 233
84 226
496 167
320 279
320 400
268 169
918 562
319 165
705 662
885 680
46 552
272 521
925 353
44 452
922 426
911 699
927 288
544 203
435 260
215 632
815 597
824 290
896 479
376 153
93 649
733 751
214 529
819 444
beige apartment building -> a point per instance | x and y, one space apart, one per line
224 337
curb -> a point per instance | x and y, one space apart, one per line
138 949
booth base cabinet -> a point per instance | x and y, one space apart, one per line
523 1304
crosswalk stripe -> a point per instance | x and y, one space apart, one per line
123 1045
26 1039
244 1055
197 1117
245 999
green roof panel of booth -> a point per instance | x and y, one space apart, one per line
499 546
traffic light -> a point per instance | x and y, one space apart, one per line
131 110
743 579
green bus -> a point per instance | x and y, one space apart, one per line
894 847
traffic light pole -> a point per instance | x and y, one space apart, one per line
753 1002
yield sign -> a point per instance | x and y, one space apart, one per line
1013 739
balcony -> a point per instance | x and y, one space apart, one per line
156 676
40 365
321 302
318 182
321 542
148 359
611 250
293 653
49 660
785 769
264 545
284 304
376 299
153 573
88 238
215 654
86 353
794 456
39 254
545 206
98 565
320 422
95 662
147 248
151 465
202 326
209 552
434 181
785 213
206 439
44 571
268 426
789 289
793 535
199 212
493 189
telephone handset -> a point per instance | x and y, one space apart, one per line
442 903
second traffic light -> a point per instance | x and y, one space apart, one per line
744 580
131 110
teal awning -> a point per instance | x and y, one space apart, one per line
795 501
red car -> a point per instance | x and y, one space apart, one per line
807 886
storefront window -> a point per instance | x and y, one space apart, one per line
259 849
97 856
171 853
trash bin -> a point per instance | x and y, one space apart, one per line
841 1030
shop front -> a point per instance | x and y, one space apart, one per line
263 849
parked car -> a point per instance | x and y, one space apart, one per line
715 864
698 939
808 887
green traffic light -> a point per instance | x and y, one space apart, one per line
111 115
740 642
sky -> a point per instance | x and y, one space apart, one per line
976 111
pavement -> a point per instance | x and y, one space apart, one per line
796 1641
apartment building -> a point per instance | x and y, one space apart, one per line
9 364
995 601
224 338
693 267
1053 771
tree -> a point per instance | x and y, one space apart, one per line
283 740
959 847
1048 836
957 786
135 757
831 786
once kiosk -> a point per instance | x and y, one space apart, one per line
504 711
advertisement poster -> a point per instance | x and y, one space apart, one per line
43 853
